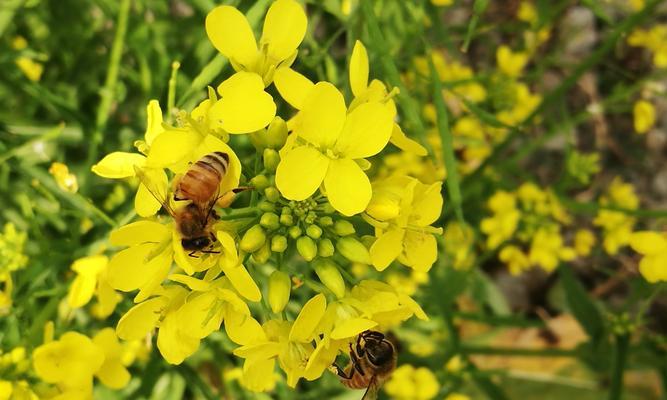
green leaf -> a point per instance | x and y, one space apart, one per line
581 305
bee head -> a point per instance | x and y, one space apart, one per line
197 243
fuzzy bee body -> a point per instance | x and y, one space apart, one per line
201 182
372 361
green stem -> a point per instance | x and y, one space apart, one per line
618 366
511 351
171 95
109 89
231 216
50 135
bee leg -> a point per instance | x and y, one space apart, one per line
355 361
360 350
341 373
192 254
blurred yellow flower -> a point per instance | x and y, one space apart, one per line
653 246
509 62
331 141
616 225
547 249
402 210
584 240
459 242
442 2
92 279
284 28
655 40
31 69
64 179
516 260
410 383
643 113
502 225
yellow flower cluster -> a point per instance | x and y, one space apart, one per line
654 40
12 258
617 226
410 383
653 246
526 226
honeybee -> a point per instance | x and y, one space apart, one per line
201 185
372 361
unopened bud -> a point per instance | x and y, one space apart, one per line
327 208
253 239
272 194
286 219
325 248
325 221
343 227
330 276
306 247
260 182
294 232
270 221
278 243
353 250
314 231
277 133
279 290
266 206
258 139
262 255
271 159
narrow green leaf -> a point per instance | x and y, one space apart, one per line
478 8
452 180
581 305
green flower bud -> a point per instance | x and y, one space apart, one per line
330 276
368 240
353 250
310 217
294 232
253 239
314 231
260 182
262 255
266 206
277 133
343 228
270 221
272 194
258 139
278 243
279 290
327 208
271 159
286 219
325 248
325 221
306 247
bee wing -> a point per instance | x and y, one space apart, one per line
373 389
154 189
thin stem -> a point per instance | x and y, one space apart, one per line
512 351
171 95
618 366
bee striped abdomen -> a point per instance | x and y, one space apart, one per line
357 381
200 182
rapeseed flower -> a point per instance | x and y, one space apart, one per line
329 141
459 242
653 247
12 259
509 62
92 279
410 383
402 210
655 40
643 113
502 225
616 226
284 28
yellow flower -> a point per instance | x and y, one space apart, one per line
510 63
459 241
516 260
331 141
284 29
546 249
69 362
30 68
616 225
64 179
402 210
112 373
528 13
457 396
653 246
644 116
410 383
584 240
502 225
636 5
654 39
441 3
91 279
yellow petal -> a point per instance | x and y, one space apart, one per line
145 203
107 299
400 140
359 69
174 345
244 105
292 86
193 283
129 269
308 318
243 329
259 350
284 28
654 268
241 280
427 204
352 327
387 248
114 375
258 375
154 123
230 255
118 165
140 319
171 147
366 132
648 243
347 187
81 291
139 232
90 266
420 250
412 305
322 115
201 314
300 172
231 34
